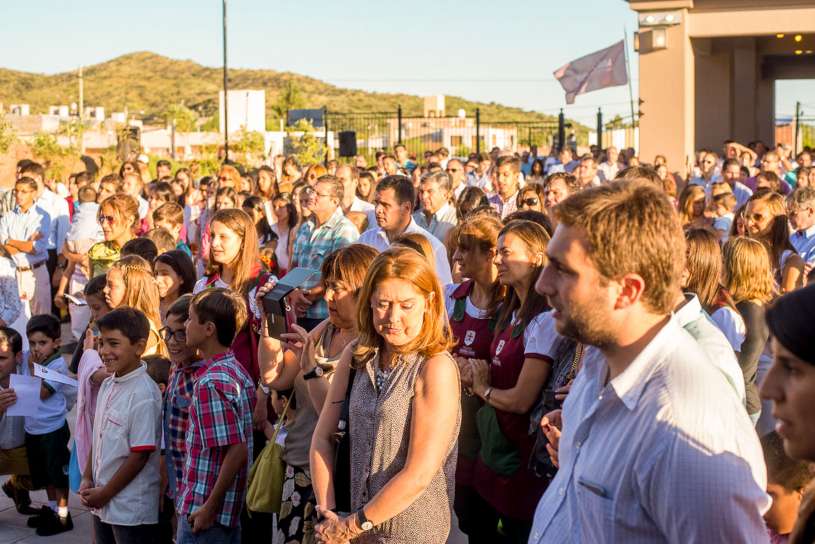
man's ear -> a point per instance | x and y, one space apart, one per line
631 290
140 346
210 329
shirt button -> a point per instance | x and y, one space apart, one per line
561 491
577 445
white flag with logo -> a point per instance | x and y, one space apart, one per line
604 68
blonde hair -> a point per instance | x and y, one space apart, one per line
124 207
407 265
686 199
141 292
631 227
248 258
747 273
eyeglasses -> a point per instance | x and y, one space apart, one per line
106 219
316 194
223 178
530 201
179 336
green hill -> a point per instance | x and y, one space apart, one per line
147 84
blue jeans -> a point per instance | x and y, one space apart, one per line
217 534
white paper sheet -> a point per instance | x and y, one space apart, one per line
53 376
27 389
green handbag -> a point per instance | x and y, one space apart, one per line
265 490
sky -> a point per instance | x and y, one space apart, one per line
478 49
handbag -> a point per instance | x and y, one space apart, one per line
342 452
264 492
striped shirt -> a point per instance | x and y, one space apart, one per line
220 416
664 452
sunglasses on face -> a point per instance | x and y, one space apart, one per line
530 201
106 219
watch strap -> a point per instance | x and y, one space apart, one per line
364 523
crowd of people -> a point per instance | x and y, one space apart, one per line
505 347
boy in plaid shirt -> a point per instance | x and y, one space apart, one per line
219 435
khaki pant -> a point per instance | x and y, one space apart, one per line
35 288
14 461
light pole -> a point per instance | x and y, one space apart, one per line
226 97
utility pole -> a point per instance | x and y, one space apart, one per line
81 112
797 127
226 96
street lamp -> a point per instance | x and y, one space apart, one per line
226 95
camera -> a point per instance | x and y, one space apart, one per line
274 304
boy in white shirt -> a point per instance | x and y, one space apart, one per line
121 479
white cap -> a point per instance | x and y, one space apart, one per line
143 158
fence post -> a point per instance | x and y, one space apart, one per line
600 128
797 127
478 131
561 130
399 124
325 126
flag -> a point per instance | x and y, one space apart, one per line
601 69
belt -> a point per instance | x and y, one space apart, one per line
30 268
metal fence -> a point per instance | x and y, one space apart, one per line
462 136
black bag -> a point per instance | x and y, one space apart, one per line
342 452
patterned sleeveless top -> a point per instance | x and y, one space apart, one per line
380 419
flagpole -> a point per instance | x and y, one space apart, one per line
628 68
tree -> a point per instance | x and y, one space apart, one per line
46 147
304 144
288 99
250 144
7 135
185 118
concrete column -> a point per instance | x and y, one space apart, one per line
745 85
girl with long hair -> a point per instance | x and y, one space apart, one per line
175 276
692 201
510 383
119 218
766 221
285 228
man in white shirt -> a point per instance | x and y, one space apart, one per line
394 199
586 172
655 447
731 173
458 181
507 183
437 215
708 170
801 208
349 176
609 168
480 177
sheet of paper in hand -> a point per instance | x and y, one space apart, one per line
54 376
27 389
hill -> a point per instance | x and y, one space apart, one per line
148 84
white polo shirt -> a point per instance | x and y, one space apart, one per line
128 419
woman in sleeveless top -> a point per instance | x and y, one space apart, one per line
471 308
510 385
308 367
404 413
766 221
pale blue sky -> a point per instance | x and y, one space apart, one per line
479 49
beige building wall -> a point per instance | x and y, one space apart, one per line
715 79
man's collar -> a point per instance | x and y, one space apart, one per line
689 310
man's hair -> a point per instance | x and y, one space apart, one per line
644 173
171 212
44 323
163 163
86 194
163 239
158 368
181 307
143 247
33 169
631 227
402 188
95 285
29 182
803 195
132 323
730 162
224 308
442 178
511 160
333 182
83 178
114 179
12 339
791 474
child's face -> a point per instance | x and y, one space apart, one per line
114 288
176 339
8 360
781 515
97 305
42 347
118 354
196 331
168 281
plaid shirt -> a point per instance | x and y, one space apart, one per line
220 416
176 418
313 244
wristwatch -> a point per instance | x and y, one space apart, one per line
316 372
264 388
363 522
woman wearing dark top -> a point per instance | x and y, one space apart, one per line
749 280
790 387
